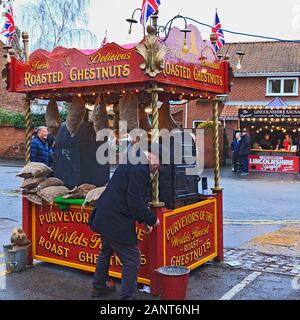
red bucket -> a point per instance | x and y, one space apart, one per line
173 282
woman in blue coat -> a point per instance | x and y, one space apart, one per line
235 148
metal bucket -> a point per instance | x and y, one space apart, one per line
174 281
15 257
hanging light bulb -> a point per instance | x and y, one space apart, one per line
239 63
148 110
185 48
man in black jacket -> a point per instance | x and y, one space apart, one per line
245 148
114 218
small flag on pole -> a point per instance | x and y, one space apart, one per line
8 28
217 29
104 41
148 8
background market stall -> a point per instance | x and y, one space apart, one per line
277 120
154 71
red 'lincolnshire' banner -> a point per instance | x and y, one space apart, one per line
274 164
190 236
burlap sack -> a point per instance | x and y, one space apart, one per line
100 117
93 195
128 109
75 115
48 182
80 192
19 237
31 182
33 170
50 193
52 116
32 197
28 191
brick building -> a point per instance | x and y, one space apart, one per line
269 74
11 139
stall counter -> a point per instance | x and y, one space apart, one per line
187 236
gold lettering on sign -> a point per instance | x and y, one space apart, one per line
31 80
208 78
209 64
61 235
189 236
38 65
182 72
53 248
194 255
100 73
177 71
67 62
109 57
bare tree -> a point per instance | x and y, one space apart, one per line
51 23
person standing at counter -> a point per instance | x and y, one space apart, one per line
121 205
266 143
39 148
287 142
245 148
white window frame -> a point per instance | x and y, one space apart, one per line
269 94
197 121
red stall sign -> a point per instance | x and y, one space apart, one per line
273 164
190 236
63 237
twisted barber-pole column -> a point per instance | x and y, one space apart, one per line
217 189
216 144
27 129
155 139
27 105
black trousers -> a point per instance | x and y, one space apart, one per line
130 257
236 161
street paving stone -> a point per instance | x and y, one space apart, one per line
281 264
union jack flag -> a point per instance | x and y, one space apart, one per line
217 29
104 41
8 28
148 8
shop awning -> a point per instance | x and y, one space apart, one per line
231 110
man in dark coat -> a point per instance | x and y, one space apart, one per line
39 148
245 148
122 204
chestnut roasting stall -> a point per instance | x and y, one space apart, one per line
190 234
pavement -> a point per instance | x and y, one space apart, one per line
261 240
